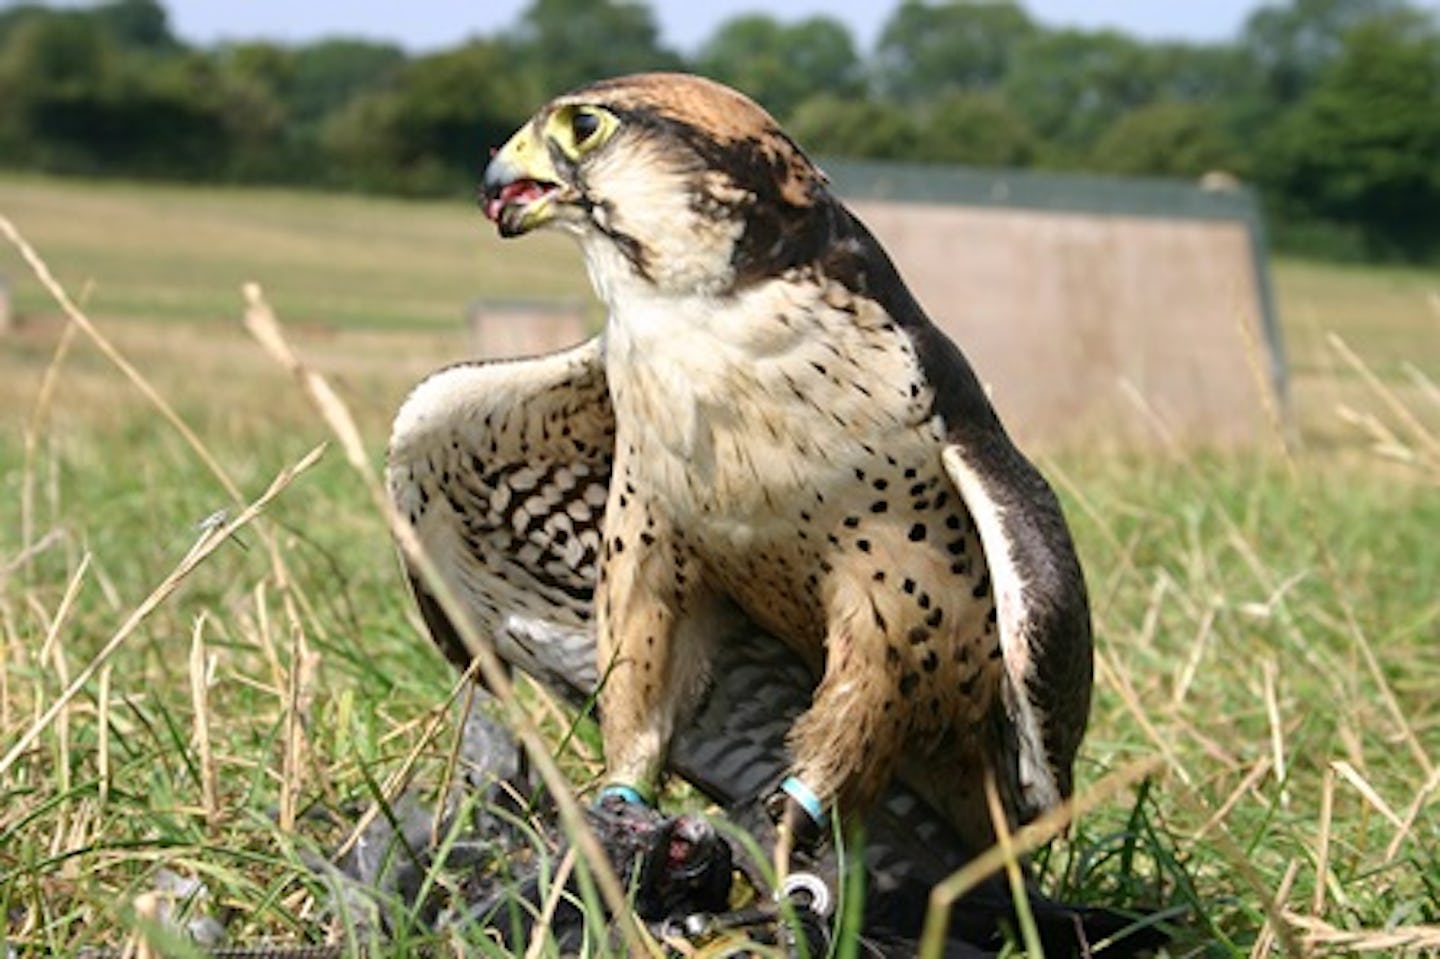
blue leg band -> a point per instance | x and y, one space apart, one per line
807 799
628 793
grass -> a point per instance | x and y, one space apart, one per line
1267 622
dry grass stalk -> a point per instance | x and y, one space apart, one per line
62 613
23 558
61 669
1383 440
1277 732
1265 941
1239 860
102 761
200 701
452 759
262 323
1423 384
52 652
1422 797
1322 841
1197 654
1150 416
1150 625
7 643
265 638
299 686
1368 791
538 939
1395 941
1252 778
1419 433
1014 874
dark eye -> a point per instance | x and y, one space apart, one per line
583 126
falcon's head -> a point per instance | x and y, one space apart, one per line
667 179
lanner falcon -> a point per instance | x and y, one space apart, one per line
769 428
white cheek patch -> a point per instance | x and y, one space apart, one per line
646 196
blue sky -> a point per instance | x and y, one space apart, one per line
430 24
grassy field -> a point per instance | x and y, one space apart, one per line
1268 622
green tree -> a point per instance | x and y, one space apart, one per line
14 14
1361 150
780 65
137 25
194 118
252 84
132 24
87 90
1292 43
844 126
263 70
928 49
1169 139
328 74
979 129
1072 84
59 71
567 43
431 130
1217 74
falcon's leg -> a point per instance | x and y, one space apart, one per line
655 626
845 746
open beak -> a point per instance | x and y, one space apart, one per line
520 188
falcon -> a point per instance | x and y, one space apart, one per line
769 429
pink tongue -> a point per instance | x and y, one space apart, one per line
521 191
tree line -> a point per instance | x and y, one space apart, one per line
1330 107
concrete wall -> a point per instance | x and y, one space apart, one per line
509 329
1070 317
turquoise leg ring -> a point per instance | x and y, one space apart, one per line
628 793
807 799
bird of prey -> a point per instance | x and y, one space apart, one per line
768 429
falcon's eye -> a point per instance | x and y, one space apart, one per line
583 125
578 130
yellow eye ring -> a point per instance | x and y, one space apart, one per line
580 129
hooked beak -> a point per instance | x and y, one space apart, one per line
520 188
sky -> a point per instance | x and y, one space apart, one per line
421 25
